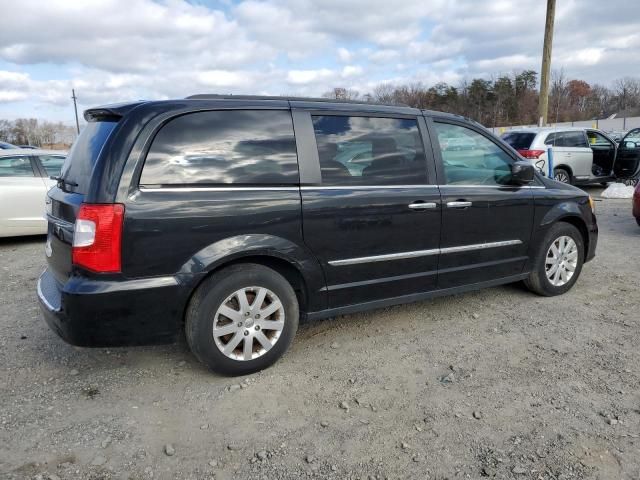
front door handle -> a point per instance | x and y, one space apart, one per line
458 204
423 205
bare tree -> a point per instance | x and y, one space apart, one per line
627 90
559 92
341 93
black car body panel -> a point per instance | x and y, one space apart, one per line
344 247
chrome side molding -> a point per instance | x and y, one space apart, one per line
422 253
384 258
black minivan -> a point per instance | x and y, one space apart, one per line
234 217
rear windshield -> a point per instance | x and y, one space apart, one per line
83 155
519 140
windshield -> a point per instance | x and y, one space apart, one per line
519 140
83 155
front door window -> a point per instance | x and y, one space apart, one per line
470 158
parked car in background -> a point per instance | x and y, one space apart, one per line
7 146
580 155
24 181
229 218
31 147
636 203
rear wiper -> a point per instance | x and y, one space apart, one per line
62 182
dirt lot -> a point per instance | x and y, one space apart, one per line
497 383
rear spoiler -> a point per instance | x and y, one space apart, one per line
110 113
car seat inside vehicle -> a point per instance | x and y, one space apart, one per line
604 154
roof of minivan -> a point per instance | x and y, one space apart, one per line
215 100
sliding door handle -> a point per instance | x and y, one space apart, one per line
422 205
458 204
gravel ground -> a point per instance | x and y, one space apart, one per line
497 383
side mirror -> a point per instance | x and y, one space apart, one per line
522 172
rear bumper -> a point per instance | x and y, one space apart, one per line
103 313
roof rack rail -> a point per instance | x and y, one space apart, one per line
216 96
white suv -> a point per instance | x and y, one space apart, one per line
580 155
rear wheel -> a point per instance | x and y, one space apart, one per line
242 319
638 221
561 175
558 262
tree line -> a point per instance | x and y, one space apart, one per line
511 99
38 133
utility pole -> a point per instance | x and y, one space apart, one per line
543 102
75 108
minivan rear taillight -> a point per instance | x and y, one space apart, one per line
97 237
526 153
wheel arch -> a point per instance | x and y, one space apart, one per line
294 262
565 167
569 211
580 224
289 270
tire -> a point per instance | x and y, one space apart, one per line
638 221
562 175
538 281
224 291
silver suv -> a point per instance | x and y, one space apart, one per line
580 155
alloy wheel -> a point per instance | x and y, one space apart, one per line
561 261
561 176
248 323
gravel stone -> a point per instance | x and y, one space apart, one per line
394 358
98 461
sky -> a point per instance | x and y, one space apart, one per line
118 50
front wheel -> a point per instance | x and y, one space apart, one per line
242 319
558 262
561 175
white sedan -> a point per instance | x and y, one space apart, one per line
24 182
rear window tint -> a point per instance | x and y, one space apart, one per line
519 140
567 139
224 147
369 150
83 155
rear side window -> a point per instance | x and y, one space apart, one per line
83 155
567 139
52 164
519 140
224 147
369 150
15 167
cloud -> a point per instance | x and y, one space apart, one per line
302 77
344 55
114 50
